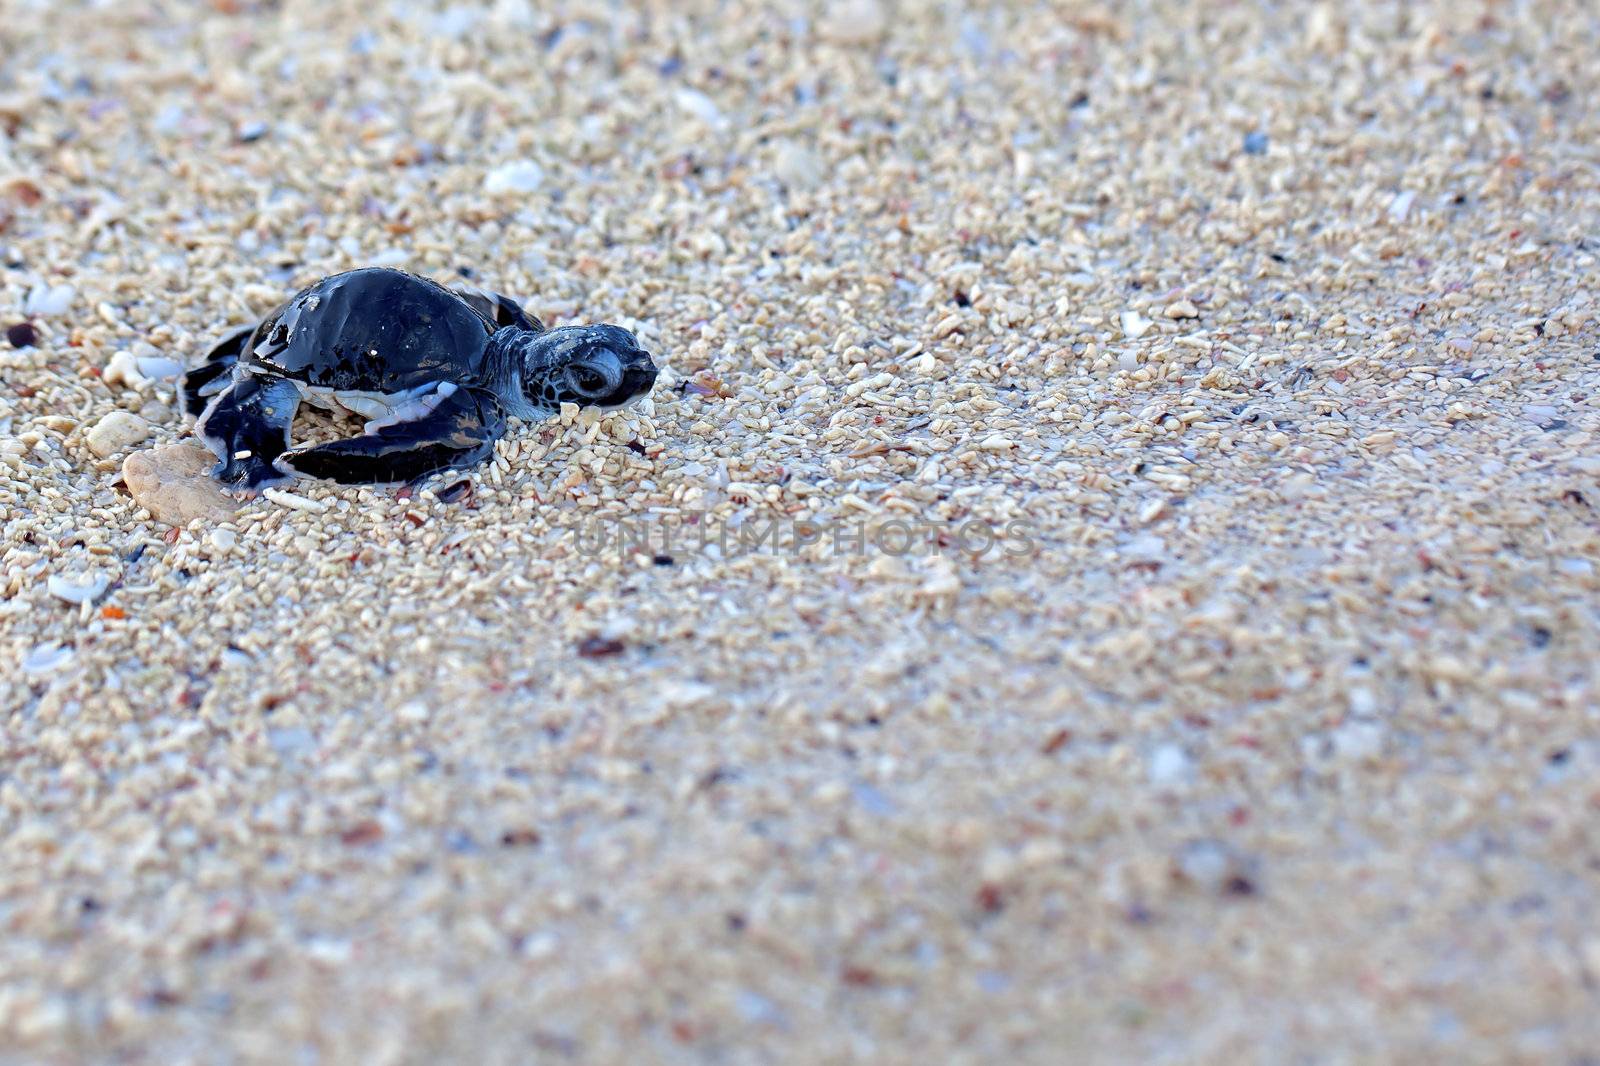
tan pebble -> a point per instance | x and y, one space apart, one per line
854 21
174 484
116 431
942 579
1182 309
797 166
887 567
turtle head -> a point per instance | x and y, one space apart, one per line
592 366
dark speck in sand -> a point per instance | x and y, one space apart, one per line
599 648
22 335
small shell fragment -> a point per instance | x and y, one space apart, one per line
46 300
521 176
123 369
46 659
158 366
290 500
75 591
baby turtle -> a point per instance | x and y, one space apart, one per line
435 372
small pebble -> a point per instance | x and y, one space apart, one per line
854 21
1400 206
22 335
1147 547
116 431
700 106
1358 738
521 176
1170 765
45 301
1151 510
797 166
942 580
1255 143
1215 867
1182 309
414 711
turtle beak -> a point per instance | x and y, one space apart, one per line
639 378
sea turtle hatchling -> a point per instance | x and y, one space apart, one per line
434 371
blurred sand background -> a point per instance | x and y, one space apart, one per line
1273 324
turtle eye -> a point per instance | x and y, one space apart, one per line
588 381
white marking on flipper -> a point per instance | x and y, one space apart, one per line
358 402
365 406
410 411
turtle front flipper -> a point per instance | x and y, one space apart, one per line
211 377
459 431
247 426
498 308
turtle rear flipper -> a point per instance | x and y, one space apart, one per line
459 431
211 377
247 426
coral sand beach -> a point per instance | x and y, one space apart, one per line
1107 572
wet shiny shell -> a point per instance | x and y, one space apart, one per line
374 330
